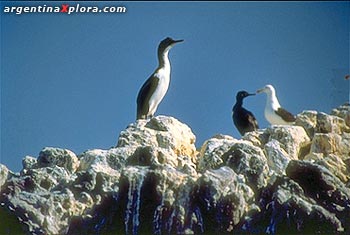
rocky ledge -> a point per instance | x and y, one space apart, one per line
279 180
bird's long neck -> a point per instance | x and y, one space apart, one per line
272 100
239 103
163 58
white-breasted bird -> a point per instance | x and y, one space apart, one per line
154 89
274 113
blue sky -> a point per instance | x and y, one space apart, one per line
71 81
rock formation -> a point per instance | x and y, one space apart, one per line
278 180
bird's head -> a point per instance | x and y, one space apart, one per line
268 89
242 94
168 43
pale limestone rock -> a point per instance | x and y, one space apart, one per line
331 143
241 155
4 172
164 132
308 120
333 163
230 191
96 165
347 118
331 124
59 186
258 137
291 138
343 111
29 162
313 157
187 166
319 122
99 160
344 146
165 135
325 143
44 212
212 150
48 177
154 181
49 157
151 156
277 157
246 159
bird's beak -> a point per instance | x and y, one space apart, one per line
260 91
251 94
177 41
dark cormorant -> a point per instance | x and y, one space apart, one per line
243 119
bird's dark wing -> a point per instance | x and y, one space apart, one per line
244 120
285 115
144 96
253 121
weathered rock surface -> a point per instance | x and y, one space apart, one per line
279 180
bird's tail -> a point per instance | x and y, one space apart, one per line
139 114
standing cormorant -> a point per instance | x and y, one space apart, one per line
154 89
243 119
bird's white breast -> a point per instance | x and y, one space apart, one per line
273 105
163 84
